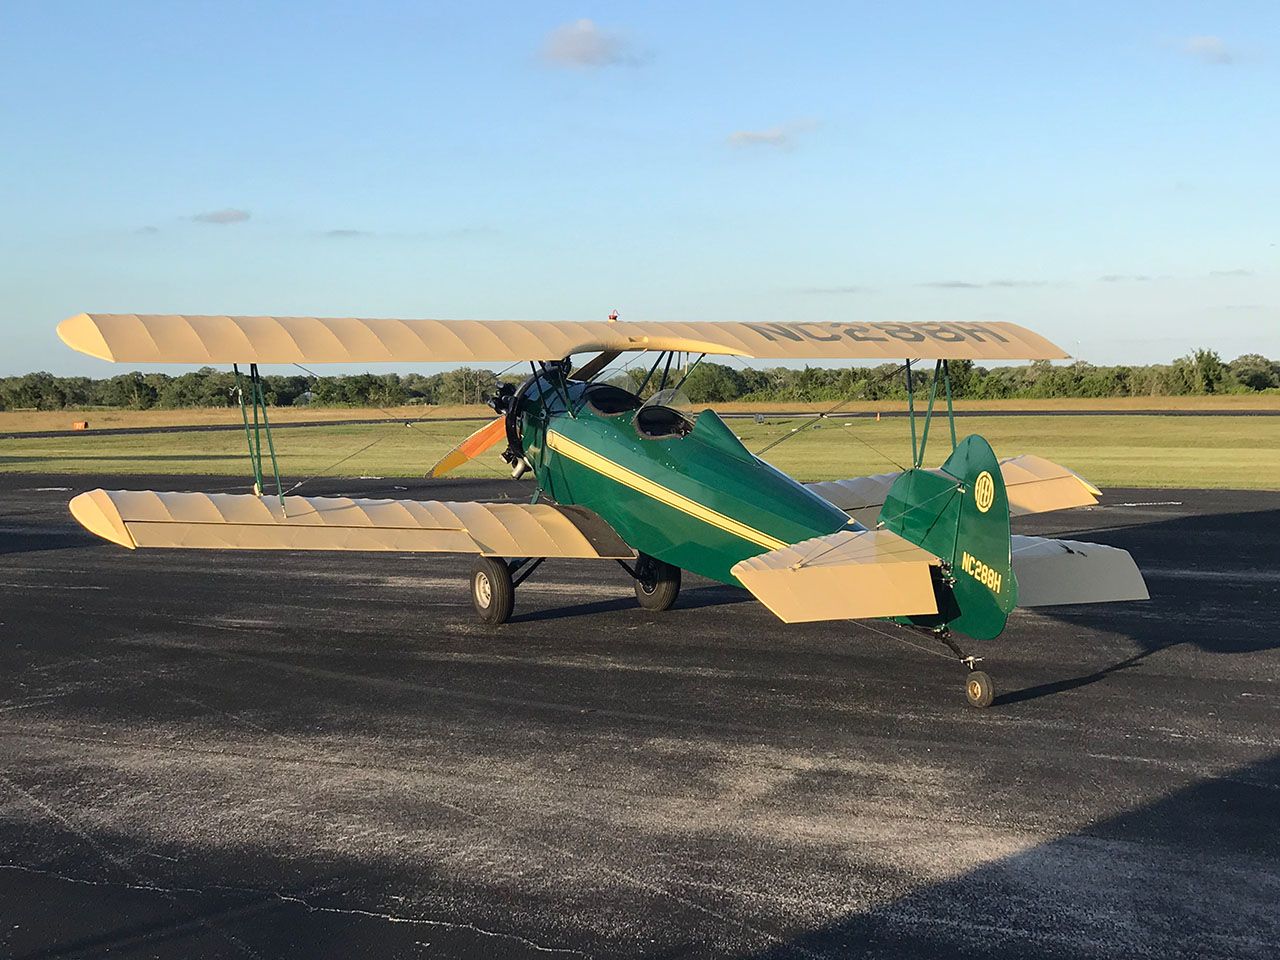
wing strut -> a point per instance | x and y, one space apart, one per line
941 372
253 435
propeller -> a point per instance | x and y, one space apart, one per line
487 436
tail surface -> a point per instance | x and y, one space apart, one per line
960 513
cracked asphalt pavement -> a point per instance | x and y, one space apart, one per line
318 755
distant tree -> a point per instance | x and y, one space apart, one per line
1254 371
1208 371
713 383
127 390
466 385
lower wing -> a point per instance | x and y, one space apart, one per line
223 521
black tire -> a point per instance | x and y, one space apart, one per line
492 592
657 583
978 689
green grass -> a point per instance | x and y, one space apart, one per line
1242 452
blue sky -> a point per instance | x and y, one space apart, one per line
1103 173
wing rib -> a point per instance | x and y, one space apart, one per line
221 521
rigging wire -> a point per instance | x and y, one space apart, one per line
902 639
392 418
827 413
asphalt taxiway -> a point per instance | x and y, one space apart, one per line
317 755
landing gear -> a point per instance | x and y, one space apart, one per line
492 590
657 583
978 688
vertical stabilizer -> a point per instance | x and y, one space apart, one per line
961 514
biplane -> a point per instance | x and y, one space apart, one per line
650 483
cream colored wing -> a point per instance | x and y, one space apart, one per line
1052 572
1034 485
223 521
142 338
847 575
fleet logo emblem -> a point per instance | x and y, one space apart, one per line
984 492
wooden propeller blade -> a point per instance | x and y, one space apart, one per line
472 447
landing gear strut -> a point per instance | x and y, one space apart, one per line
492 591
493 586
978 688
657 582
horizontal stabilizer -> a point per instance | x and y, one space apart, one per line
182 338
1033 485
1052 572
224 521
847 575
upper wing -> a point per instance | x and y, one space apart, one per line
847 575
1034 485
224 521
139 338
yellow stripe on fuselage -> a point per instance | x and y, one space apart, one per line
593 461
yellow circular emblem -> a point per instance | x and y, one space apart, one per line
984 491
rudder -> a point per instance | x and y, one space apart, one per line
962 516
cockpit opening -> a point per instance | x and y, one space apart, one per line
609 400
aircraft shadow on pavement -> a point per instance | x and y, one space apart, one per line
23 542
691 598
1213 586
1191 875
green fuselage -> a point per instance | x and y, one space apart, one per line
700 501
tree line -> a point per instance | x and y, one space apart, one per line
1200 372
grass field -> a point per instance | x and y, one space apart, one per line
23 421
1208 451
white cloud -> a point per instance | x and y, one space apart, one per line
846 290
583 44
782 136
971 285
773 137
227 215
1209 49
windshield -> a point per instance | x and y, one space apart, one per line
668 413
674 399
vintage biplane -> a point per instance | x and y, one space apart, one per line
649 483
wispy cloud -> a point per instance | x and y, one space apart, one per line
583 44
970 285
834 291
345 232
1124 278
227 215
1238 272
1209 49
782 136
147 230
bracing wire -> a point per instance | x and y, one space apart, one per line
827 413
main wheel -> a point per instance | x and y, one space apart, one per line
657 583
979 689
492 591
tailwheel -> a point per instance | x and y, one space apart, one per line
492 591
979 689
657 583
